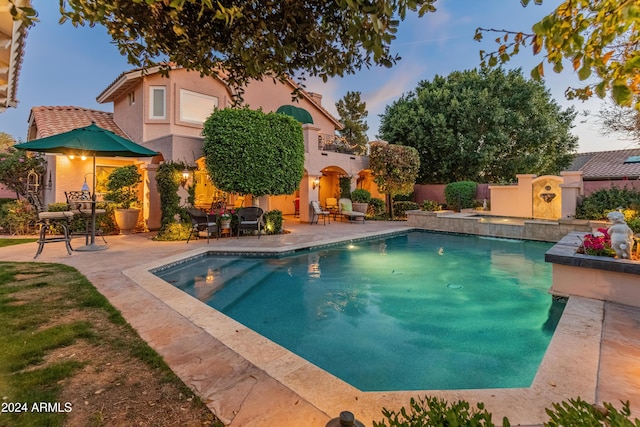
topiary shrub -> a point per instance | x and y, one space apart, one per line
122 186
599 203
252 152
360 196
273 222
460 195
400 208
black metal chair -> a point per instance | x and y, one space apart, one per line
318 212
201 221
48 221
250 218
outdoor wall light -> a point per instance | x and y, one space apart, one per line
316 183
185 177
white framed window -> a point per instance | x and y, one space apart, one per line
132 98
196 107
157 102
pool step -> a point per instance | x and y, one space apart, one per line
243 282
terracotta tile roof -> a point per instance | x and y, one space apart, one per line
54 120
607 164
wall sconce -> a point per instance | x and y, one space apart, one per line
316 183
185 177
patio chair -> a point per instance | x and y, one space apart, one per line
318 212
79 202
346 211
250 218
201 221
47 220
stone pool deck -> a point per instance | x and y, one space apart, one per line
249 381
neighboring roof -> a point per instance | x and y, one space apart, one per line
12 39
607 164
54 120
300 114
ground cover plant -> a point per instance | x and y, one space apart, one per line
64 348
431 411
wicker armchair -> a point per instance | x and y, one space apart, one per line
250 218
201 221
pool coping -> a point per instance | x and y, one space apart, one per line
569 368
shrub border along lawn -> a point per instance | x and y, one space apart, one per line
45 308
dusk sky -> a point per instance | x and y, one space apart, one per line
64 65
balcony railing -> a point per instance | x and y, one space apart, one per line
337 144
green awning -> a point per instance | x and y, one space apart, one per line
300 114
633 159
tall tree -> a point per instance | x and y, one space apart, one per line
249 39
353 114
395 169
600 39
483 126
621 120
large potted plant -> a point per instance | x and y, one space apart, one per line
122 190
360 199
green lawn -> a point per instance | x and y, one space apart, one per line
58 332
10 242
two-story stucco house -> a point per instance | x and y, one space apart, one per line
166 114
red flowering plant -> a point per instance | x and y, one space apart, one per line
223 214
597 244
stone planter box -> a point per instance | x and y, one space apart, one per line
601 278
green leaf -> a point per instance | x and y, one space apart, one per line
601 90
584 73
622 94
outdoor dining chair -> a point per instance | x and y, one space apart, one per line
79 202
318 212
250 218
202 222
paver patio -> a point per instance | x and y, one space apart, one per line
269 386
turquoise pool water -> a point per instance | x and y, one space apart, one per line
418 311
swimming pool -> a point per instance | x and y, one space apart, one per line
415 311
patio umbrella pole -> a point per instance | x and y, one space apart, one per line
92 243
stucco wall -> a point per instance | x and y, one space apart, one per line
271 96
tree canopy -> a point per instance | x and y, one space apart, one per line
600 39
252 152
248 39
395 167
15 166
353 114
483 126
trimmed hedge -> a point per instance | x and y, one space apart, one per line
252 152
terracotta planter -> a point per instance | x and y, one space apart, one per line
127 219
360 207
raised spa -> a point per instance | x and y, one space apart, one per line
417 311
